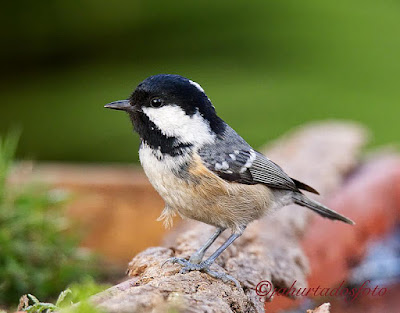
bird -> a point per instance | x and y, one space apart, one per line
203 169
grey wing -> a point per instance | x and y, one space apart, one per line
267 172
264 171
233 159
248 167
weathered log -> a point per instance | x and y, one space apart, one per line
319 154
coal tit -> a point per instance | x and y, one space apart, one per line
202 168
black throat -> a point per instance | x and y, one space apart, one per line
151 135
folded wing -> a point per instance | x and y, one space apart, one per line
233 159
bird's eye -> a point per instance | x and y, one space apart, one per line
156 102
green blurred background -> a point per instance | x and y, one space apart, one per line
266 65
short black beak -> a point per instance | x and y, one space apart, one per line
123 105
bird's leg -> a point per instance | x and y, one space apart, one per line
221 249
204 266
197 257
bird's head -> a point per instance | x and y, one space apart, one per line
171 107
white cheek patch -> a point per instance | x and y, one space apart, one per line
174 122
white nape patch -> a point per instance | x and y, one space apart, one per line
249 162
196 85
174 122
200 89
232 156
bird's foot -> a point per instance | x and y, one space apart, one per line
187 266
224 277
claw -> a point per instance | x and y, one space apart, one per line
166 261
181 261
173 260
224 277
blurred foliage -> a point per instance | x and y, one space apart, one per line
267 66
37 253
72 300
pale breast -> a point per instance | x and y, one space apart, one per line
161 174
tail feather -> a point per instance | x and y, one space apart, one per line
322 210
